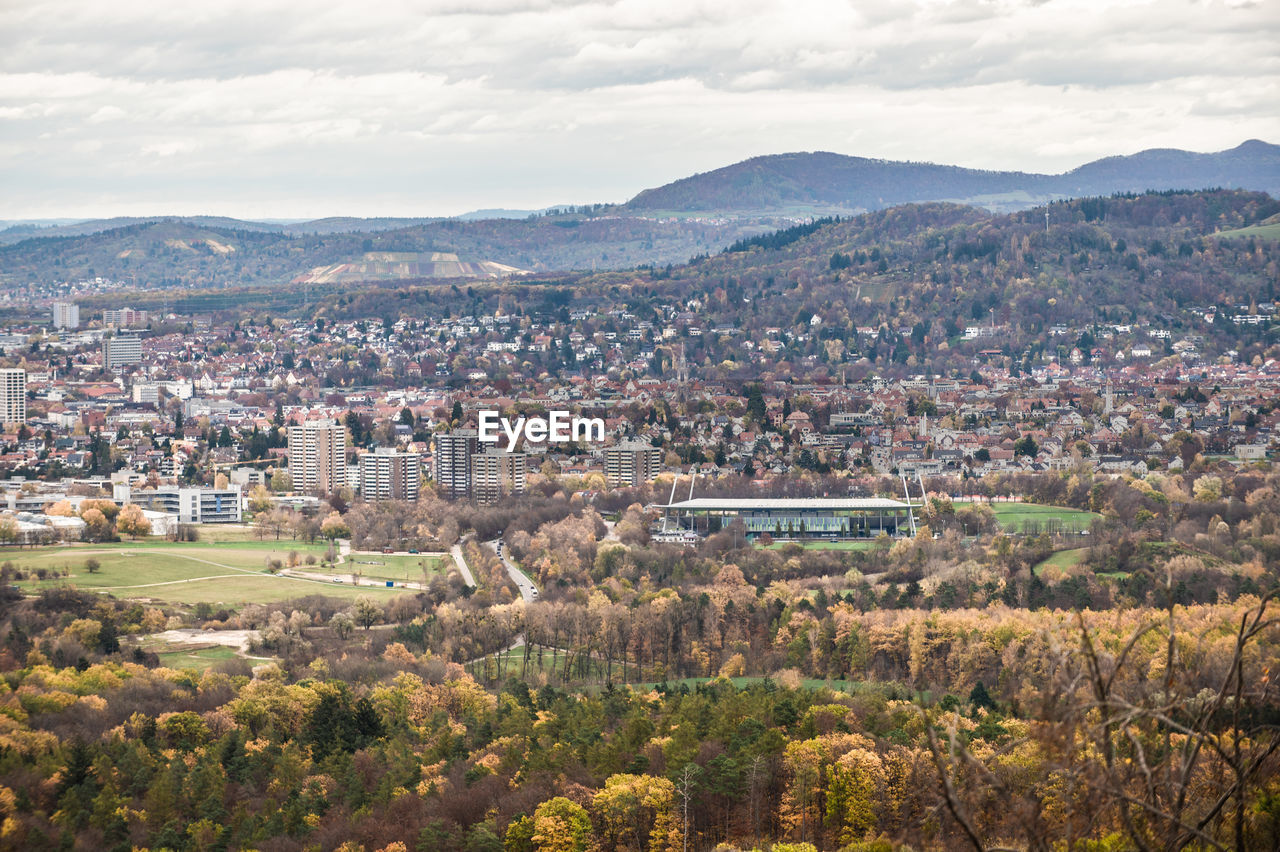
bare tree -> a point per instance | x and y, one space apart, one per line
686 786
1173 760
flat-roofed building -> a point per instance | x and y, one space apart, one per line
388 474
318 456
190 505
631 463
497 473
124 318
66 315
453 452
121 351
13 396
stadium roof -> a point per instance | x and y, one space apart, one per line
784 503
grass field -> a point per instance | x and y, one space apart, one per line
403 568
1013 517
1061 560
197 658
1262 232
226 574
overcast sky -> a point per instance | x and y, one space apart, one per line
264 108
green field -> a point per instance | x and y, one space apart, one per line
226 574
1062 559
402 568
197 658
1013 517
1262 232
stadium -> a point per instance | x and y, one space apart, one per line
803 517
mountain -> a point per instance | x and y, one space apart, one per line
74 228
186 253
331 225
826 183
698 215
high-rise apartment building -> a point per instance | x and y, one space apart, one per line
631 463
496 473
66 315
318 456
387 474
453 454
13 396
121 351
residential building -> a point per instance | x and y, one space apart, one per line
318 456
13 396
388 474
66 315
631 463
453 454
496 473
124 318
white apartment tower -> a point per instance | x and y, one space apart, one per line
66 315
13 396
318 456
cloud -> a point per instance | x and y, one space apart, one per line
435 107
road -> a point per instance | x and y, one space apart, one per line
528 590
461 562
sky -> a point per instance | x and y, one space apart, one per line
271 109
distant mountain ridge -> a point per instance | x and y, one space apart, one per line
832 183
697 215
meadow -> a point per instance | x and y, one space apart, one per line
1020 517
228 573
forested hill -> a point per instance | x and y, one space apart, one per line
916 275
828 182
920 273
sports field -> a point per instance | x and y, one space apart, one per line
227 574
402 568
1019 517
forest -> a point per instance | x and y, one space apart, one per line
926 693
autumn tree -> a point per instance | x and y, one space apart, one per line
334 527
259 499
636 811
96 525
132 522
367 612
